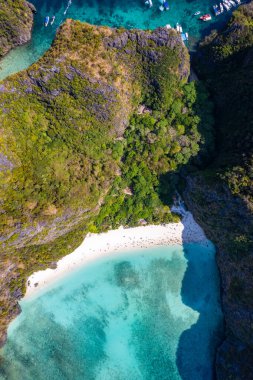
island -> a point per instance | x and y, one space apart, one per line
105 130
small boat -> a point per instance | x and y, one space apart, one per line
233 3
206 17
149 3
184 36
168 26
166 6
179 28
69 4
52 20
46 21
197 13
226 6
216 10
221 8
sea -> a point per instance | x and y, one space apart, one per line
150 314
114 13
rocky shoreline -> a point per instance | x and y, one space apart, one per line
16 17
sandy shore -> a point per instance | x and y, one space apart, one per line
95 246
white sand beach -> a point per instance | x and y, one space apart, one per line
95 246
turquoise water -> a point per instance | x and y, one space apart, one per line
115 13
145 315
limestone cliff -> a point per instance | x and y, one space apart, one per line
221 196
229 224
16 21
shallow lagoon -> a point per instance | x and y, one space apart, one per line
145 315
114 13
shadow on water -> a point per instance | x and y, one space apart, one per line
200 291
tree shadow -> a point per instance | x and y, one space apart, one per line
201 292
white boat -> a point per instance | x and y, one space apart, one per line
46 21
69 4
206 17
52 20
197 13
216 10
232 3
226 5
184 37
149 3
168 26
221 8
166 5
179 28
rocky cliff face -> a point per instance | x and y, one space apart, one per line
16 20
62 139
228 222
221 197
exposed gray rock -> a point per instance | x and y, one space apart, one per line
5 164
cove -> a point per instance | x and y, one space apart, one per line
113 13
151 314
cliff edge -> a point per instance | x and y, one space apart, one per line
221 196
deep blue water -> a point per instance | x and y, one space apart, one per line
147 315
115 13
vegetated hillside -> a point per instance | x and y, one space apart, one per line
86 134
16 20
221 197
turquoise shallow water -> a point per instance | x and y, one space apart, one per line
146 315
115 13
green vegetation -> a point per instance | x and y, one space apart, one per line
154 144
221 196
92 137
95 134
227 66
15 24
225 62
